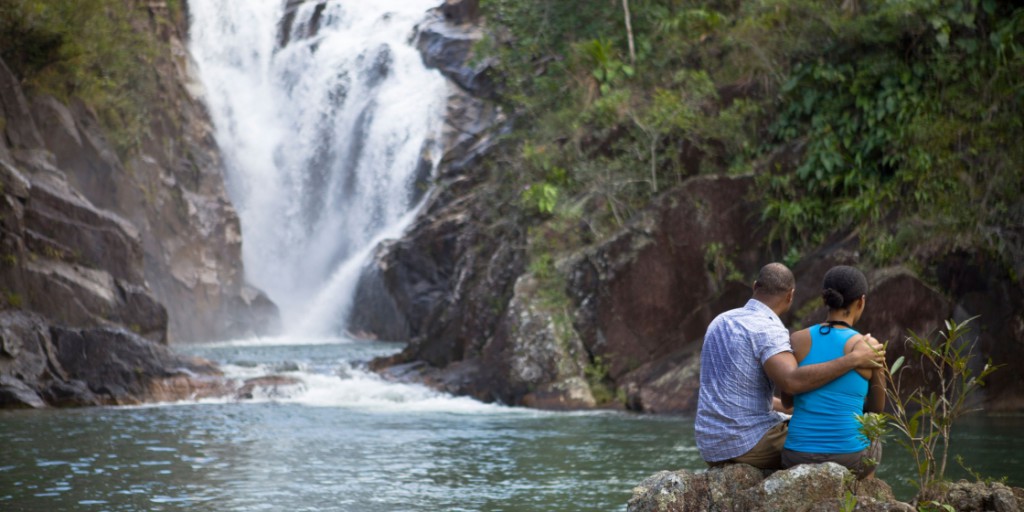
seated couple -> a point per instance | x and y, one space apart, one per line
827 374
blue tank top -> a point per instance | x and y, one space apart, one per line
824 419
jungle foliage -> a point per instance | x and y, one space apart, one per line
899 119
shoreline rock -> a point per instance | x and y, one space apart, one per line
810 487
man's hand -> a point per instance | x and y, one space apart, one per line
868 353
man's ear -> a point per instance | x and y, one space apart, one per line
790 295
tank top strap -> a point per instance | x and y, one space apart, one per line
827 345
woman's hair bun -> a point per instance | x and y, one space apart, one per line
833 299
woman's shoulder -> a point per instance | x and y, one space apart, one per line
852 342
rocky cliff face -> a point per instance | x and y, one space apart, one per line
78 323
171 189
636 305
105 258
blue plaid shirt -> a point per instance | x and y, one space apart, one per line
734 407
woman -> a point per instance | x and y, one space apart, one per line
824 426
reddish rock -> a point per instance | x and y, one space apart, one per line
644 298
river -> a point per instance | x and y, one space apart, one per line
346 440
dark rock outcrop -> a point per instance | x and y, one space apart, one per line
64 262
446 42
447 258
46 365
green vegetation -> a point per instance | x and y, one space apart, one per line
601 386
99 51
898 120
924 415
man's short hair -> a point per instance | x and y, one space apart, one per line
774 279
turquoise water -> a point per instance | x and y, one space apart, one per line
348 441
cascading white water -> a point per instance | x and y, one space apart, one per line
327 120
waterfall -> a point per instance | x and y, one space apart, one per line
328 122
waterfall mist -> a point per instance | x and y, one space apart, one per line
328 122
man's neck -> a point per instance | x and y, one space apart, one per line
776 304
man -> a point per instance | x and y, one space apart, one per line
745 351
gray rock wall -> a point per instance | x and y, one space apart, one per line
106 258
170 189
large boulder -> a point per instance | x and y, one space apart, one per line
121 368
683 490
739 487
991 496
535 357
44 365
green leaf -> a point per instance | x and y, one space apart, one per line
897 365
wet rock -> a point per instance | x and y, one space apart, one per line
408 291
44 365
459 12
665 385
977 496
269 386
446 42
122 368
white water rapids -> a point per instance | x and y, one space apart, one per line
328 126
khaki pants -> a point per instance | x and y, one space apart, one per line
862 463
766 454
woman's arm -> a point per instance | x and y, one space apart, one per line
785 404
876 392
